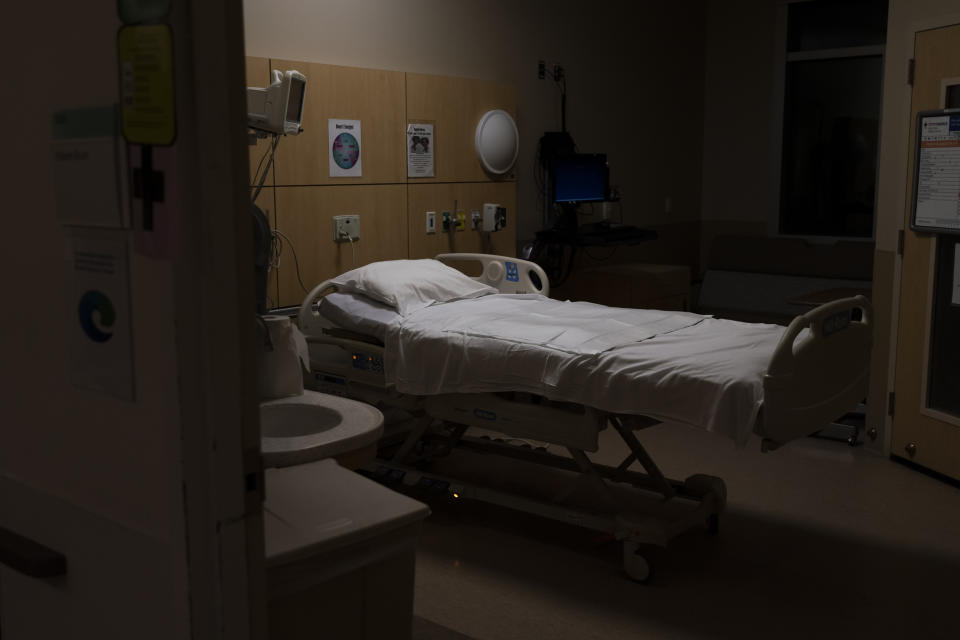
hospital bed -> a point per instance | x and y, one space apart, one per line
631 370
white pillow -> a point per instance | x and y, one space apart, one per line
409 285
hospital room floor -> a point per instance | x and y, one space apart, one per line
818 540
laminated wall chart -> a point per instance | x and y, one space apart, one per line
936 201
420 151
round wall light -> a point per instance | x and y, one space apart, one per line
497 141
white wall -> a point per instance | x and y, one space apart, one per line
635 75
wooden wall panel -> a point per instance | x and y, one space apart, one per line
305 214
391 207
258 75
440 197
455 106
376 98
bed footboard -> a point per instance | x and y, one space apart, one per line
818 372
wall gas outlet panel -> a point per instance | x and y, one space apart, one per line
494 217
475 219
461 220
346 228
445 217
431 221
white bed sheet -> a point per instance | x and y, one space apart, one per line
678 367
358 313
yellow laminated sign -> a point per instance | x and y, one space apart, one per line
148 109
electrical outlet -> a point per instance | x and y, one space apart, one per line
345 227
461 220
475 219
431 221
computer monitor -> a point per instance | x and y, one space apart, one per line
278 109
580 177
295 98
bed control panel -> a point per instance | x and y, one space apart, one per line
836 322
367 362
513 271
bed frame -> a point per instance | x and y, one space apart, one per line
818 371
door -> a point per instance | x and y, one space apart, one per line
926 421
126 411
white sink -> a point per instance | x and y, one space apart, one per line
314 426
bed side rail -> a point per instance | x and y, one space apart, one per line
308 320
508 275
816 376
346 344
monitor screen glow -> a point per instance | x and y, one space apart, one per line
295 100
581 178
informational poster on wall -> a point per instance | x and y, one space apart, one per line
420 151
345 148
98 314
936 201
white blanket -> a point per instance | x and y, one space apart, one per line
580 328
673 366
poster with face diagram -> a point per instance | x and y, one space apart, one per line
345 146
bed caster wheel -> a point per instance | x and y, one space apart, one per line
639 561
713 523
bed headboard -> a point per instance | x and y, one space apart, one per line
508 275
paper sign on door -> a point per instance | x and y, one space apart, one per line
98 314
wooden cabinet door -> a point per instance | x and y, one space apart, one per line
921 432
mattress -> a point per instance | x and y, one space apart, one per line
679 367
358 313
